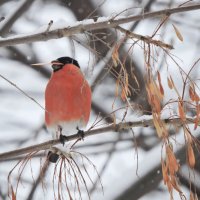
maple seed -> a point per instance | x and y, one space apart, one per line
181 111
178 33
191 157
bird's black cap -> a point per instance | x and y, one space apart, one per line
60 62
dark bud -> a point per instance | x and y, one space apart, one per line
53 157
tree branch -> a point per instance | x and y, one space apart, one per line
146 39
64 30
112 127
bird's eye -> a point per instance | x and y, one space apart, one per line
56 65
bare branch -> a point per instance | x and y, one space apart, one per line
65 30
24 93
112 127
146 39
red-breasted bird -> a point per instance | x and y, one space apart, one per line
67 100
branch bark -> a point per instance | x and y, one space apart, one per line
89 25
112 127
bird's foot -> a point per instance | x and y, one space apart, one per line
81 133
62 138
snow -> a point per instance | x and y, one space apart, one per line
62 24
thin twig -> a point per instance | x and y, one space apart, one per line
24 93
87 25
38 181
49 25
112 127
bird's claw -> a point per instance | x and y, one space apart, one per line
62 139
81 133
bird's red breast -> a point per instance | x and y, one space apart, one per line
67 97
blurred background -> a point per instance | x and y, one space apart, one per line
128 162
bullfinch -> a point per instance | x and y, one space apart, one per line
67 100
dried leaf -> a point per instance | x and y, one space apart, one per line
191 196
123 94
154 97
159 129
164 172
175 184
115 55
192 93
155 90
188 135
197 120
156 104
169 186
159 78
160 84
170 83
197 98
178 34
172 162
13 194
191 157
125 90
181 111
161 89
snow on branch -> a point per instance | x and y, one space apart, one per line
112 127
65 30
